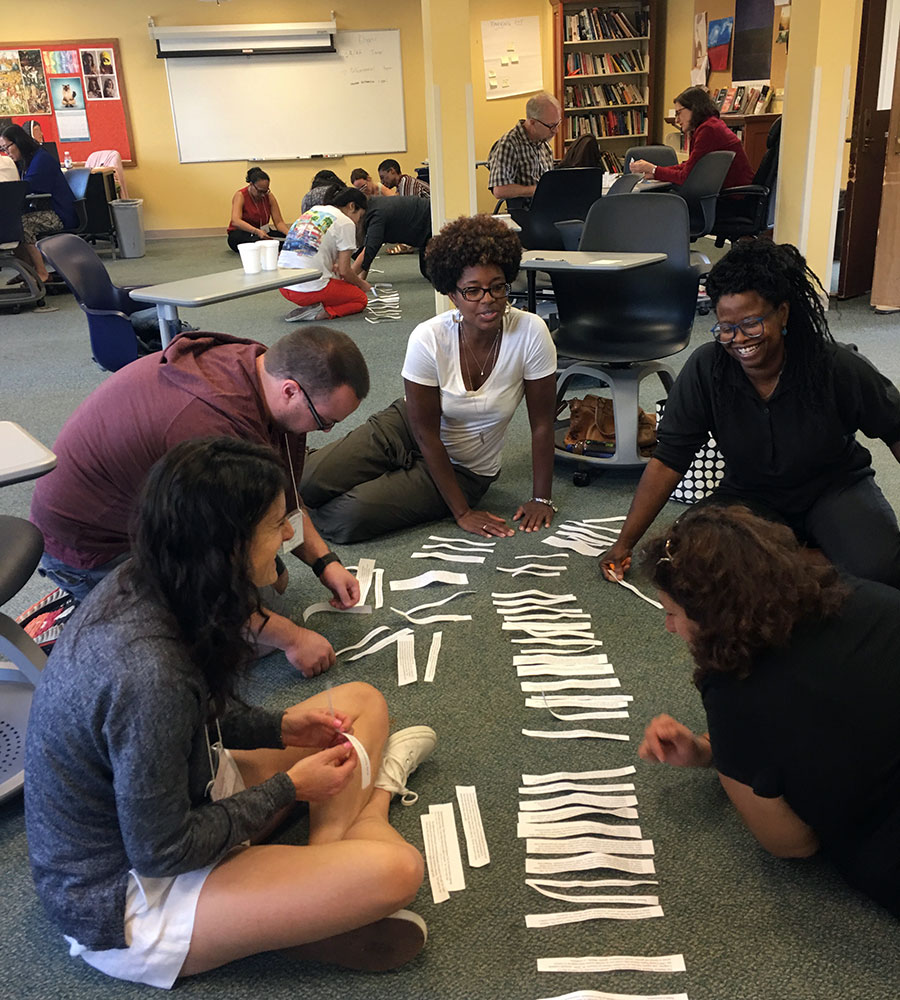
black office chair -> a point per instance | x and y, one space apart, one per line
30 290
701 188
561 194
662 156
616 326
749 210
570 230
108 307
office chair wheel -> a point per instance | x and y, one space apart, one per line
581 478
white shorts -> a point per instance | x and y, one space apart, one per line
159 921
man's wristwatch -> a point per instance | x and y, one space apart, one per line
546 502
318 567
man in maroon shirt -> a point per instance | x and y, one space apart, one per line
203 384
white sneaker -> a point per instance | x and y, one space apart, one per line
299 315
403 753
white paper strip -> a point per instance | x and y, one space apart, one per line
569 812
572 734
379 589
567 701
553 787
586 643
364 574
571 897
588 862
613 963
434 857
589 535
365 766
473 543
431 619
539 671
432 576
548 628
314 609
580 683
447 557
590 883
375 631
539 555
595 995
578 798
570 543
386 641
531 569
560 659
583 716
433 652
543 615
476 844
615 772
406 663
450 547
578 828
438 604
588 845
518 598
643 597
595 913
456 879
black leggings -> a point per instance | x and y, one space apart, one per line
238 236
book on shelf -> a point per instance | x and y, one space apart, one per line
605 24
604 63
765 99
719 98
729 100
752 98
586 95
738 104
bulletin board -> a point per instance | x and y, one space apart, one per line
74 89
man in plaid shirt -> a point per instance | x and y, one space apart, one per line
518 159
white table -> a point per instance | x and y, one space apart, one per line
208 288
580 260
22 456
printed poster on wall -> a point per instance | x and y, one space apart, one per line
12 87
34 82
719 42
67 93
99 68
511 50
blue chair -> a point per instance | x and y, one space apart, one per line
108 307
31 288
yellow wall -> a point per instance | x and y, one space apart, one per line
679 45
197 196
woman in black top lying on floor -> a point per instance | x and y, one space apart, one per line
797 669
783 402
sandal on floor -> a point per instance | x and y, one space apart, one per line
401 248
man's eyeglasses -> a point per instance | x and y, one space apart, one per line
323 425
549 127
475 293
753 327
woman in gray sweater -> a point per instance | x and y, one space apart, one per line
140 822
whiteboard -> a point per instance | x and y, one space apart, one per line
298 106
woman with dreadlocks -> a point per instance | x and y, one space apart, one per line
783 402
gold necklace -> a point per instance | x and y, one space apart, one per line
490 358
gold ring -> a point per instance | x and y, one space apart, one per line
484 527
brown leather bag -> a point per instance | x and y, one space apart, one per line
592 427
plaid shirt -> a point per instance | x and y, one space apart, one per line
412 187
515 159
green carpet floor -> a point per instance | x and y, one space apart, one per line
750 927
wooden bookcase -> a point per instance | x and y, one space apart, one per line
605 69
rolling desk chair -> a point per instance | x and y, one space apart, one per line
31 290
662 156
749 210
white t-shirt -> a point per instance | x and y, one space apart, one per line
473 424
315 240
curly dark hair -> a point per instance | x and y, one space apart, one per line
339 195
778 273
471 241
255 174
744 583
699 103
199 509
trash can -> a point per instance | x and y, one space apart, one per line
128 214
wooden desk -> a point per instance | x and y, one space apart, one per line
209 288
580 260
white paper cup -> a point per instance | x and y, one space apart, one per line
268 254
250 257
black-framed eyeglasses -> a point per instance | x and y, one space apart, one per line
752 327
259 191
547 125
323 425
7 147
475 293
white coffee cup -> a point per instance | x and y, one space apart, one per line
250 257
268 254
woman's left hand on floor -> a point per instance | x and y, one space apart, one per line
533 515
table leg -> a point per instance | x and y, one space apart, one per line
532 293
167 315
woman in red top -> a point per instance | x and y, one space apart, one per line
698 118
251 208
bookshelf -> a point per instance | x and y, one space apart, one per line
605 65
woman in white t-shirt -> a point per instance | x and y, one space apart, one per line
324 238
466 371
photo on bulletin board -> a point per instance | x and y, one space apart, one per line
67 93
12 87
59 61
34 81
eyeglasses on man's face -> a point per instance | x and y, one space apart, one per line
475 293
752 327
548 126
321 423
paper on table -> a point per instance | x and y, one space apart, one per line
386 641
357 609
365 570
447 557
552 787
456 878
578 828
595 913
588 862
643 597
573 734
596 995
615 772
406 662
365 766
476 844
613 963
433 652
588 845
432 576
434 857
579 798
379 589
369 635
